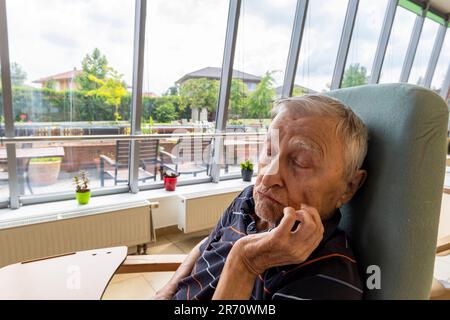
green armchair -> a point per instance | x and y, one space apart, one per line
393 220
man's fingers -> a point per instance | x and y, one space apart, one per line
313 211
288 219
307 225
309 218
314 214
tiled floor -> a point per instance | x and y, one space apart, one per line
144 285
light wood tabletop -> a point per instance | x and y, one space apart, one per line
35 152
80 275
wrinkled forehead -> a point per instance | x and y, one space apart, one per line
291 123
307 132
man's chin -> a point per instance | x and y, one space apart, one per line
267 211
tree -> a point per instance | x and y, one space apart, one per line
355 75
172 91
260 101
165 112
200 93
298 92
95 65
112 89
18 74
238 98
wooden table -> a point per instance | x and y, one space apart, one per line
23 156
26 153
81 275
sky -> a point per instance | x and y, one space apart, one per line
52 36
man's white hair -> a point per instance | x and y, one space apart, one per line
349 126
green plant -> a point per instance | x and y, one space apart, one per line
112 89
165 112
235 122
200 93
18 74
45 160
82 183
355 75
260 101
95 64
247 165
167 173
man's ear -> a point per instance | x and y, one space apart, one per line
353 185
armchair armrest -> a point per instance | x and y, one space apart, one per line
107 159
151 263
166 155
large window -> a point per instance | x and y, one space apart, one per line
71 68
423 53
442 65
323 28
366 33
183 58
72 75
397 46
262 48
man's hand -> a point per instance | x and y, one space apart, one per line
166 293
282 245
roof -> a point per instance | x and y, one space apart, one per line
60 76
150 94
214 73
278 90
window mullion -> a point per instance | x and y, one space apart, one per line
13 181
344 45
437 47
294 48
383 41
136 106
413 44
225 84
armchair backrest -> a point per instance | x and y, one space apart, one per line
392 221
195 149
148 152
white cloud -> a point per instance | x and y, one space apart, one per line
52 36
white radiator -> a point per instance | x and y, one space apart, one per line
201 211
111 225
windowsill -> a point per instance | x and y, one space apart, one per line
30 214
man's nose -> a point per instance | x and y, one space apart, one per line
271 173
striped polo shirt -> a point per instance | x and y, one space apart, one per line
330 272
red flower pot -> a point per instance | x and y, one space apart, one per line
170 183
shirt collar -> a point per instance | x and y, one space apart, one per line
330 225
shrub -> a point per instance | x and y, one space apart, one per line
165 112
45 160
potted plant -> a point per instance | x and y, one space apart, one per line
82 192
247 170
170 180
44 171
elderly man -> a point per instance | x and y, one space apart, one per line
279 238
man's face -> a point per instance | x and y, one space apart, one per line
306 166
